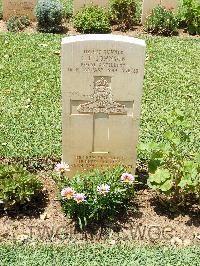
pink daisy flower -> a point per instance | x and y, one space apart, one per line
67 193
79 197
62 167
103 189
127 178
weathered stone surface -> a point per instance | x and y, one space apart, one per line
102 79
148 5
19 8
78 4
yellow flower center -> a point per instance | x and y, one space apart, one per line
69 195
126 179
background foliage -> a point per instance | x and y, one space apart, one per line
161 21
189 15
49 16
92 19
15 24
123 13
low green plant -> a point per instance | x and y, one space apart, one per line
49 15
24 21
123 13
17 186
172 170
15 24
92 19
161 22
97 196
189 16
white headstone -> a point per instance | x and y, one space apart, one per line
78 4
102 80
19 8
148 5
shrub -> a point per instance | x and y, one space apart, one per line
17 186
161 22
189 16
173 171
92 19
49 15
15 24
123 13
24 21
67 8
97 196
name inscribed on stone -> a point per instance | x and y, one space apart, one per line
103 60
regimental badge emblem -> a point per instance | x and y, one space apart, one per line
102 99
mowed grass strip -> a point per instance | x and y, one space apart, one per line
30 86
30 100
90 254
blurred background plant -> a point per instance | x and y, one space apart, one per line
92 19
189 16
49 14
161 22
15 24
123 13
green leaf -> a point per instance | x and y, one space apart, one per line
153 165
80 223
160 176
166 185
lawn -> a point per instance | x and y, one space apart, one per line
30 99
89 254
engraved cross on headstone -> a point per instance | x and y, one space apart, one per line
101 106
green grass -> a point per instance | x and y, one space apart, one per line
89 254
30 95
172 80
30 99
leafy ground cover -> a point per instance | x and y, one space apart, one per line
30 100
76 254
